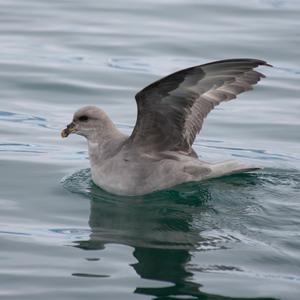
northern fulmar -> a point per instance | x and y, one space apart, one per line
158 154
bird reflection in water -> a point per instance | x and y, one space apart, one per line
161 229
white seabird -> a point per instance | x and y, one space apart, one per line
159 154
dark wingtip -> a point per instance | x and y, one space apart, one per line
264 63
254 61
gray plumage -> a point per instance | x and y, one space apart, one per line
171 111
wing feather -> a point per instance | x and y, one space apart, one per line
171 110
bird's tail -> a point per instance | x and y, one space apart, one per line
231 167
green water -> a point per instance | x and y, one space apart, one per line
61 237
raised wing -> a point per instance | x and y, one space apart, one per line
171 110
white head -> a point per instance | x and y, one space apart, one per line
90 122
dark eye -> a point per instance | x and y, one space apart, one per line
83 118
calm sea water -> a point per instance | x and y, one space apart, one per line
61 237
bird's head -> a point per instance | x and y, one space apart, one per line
88 121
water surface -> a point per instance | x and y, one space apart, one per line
62 237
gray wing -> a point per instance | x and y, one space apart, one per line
171 110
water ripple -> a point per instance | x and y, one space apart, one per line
22 118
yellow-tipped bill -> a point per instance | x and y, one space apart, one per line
68 130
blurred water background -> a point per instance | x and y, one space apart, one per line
61 237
